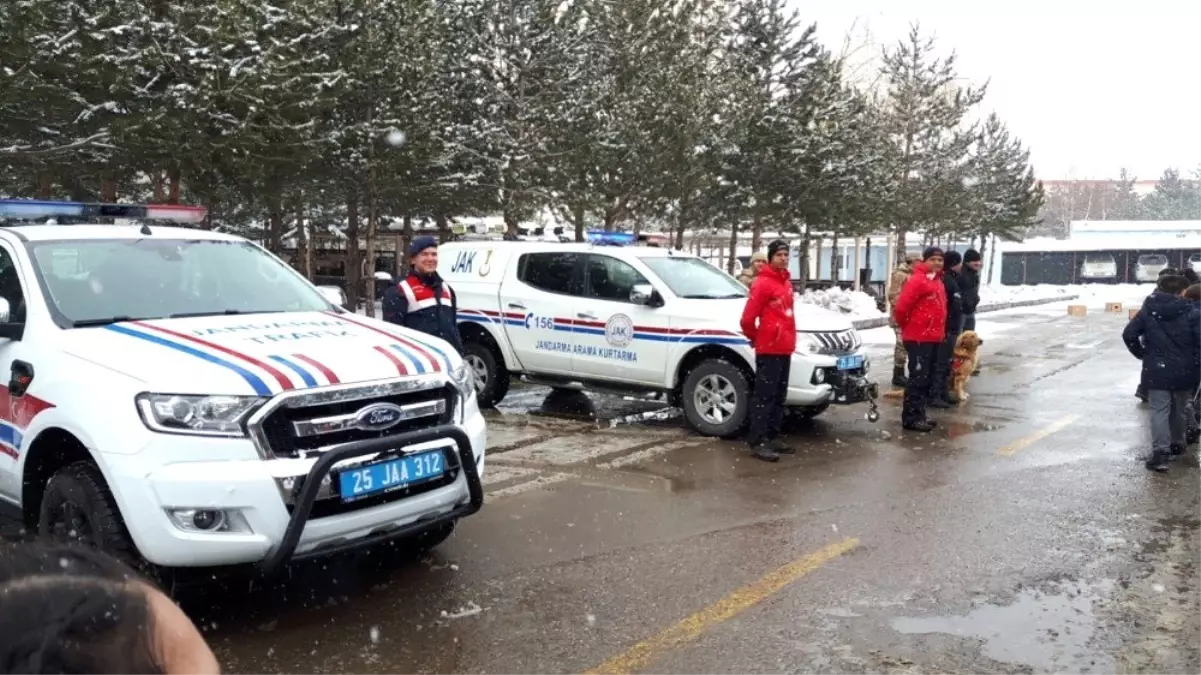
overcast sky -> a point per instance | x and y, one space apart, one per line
1090 87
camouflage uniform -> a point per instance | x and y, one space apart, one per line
899 276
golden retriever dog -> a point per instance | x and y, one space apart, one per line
964 362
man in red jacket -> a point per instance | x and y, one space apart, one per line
921 312
770 325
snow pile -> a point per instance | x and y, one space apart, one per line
1092 295
856 304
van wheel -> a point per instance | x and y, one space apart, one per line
491 378
77 507
716 398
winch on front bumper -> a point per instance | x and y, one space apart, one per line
852 386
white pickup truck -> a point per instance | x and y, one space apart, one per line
635 320
184 398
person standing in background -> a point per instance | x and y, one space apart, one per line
770 325
940 396
921 312
747 277
970 289
422 300
899 276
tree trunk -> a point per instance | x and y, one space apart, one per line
678 234
45 185
992 257
578 213
443 224
304 259
835 268
372 216
756 230
804 262
160 193
511 225
173 185
405 238
108 188
352 268
733 246
275 226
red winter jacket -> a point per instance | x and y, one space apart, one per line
771 304
921 309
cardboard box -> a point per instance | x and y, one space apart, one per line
1115 307
1077 310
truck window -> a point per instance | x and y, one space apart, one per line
148 278
10 287
611 279
550 272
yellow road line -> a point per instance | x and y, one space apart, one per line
727 608
1021 443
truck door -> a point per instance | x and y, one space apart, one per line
537 297
609 342
16 409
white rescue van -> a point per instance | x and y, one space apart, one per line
1099 267
635 320
183 397
1149 266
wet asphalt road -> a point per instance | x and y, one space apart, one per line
1022 536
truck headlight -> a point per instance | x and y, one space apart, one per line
463 378
807 344
201 415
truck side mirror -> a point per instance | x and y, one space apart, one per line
5 311
643 294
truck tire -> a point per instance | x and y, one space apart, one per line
716 399
78 507
808 412
492 378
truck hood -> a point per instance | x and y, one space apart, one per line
260 354
809 318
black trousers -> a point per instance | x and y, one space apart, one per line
922 356
942 366
767 398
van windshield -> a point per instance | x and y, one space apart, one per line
1098 259
694 278
97 281
1153 259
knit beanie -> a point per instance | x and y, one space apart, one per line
930 252
951 259
775 247
421 243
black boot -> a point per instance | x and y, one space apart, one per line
898 377
764 452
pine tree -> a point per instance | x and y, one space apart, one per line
926 109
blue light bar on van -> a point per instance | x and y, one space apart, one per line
610 238
27 209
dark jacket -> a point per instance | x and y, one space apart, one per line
921 308
951 281
969 289
424 303
1166 335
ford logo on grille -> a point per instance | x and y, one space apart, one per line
378 417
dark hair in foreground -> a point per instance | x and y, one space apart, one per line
66 609
1193 292
1174 284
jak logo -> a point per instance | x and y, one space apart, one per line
619 330
464 262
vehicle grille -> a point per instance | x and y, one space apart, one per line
283 438
838 342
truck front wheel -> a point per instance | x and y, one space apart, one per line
491 376
78 507
716 398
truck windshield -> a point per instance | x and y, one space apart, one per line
694 278
98 281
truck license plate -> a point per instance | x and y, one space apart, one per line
850 362
392 474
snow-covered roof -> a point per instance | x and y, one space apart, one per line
1111 242
1088 226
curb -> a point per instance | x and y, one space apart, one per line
863 324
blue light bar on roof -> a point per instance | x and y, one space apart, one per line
27 209
610 238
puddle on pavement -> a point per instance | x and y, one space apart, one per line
1049 631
